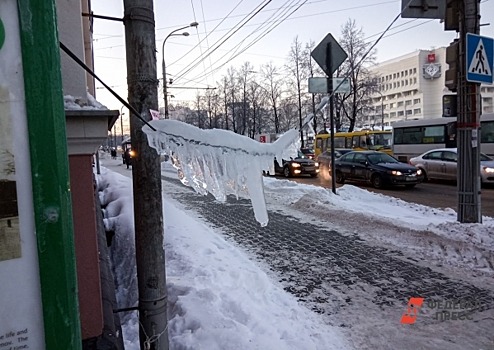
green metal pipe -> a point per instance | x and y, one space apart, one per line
50 173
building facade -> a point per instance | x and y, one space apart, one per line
412 87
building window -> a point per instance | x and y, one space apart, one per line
408 102
399 104
415 71
416 101
392 114
417 111
400 114
415 80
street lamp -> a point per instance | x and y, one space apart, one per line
163 66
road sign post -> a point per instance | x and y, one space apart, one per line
329 55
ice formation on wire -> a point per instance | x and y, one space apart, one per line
222 162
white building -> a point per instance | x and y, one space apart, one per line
412 87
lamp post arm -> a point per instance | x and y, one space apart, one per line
163 69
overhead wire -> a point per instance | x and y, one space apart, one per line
273 26
194 64
207 41
207 34
263 24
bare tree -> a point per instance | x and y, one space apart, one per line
271 75
295 68
245 71
311 70
232 87
352 41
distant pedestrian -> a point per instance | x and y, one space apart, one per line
113 153
127 157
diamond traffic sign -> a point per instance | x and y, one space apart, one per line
336 54
480 58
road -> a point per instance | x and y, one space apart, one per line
433 194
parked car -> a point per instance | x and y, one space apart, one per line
301 165
324 159
378 168
308 152
442 163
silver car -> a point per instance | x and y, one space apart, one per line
442 163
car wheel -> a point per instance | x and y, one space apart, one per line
287 172
340 179
377 181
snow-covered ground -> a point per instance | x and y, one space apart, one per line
219 298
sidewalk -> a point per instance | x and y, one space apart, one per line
360 287
327 259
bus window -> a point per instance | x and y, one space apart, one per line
348 142
487 132
434 134
319 143
339 142
412 136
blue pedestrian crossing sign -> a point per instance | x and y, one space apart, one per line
480 58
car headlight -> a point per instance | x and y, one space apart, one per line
396 172
489 170
295 165
316 164
419 172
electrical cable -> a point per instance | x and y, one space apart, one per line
253 42
194 63
87 69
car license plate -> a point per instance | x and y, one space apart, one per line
309 168
410 178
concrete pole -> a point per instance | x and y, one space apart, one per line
146 174
468 136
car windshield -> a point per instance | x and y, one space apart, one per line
381 158
301 155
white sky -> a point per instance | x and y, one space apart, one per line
311 22
221 298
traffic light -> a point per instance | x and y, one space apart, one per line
451 75
450 105
452 15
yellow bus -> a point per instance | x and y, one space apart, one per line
356 140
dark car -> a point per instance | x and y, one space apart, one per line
301 165
378 168
308 152
324 159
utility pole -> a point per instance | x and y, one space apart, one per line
468 137
140 44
